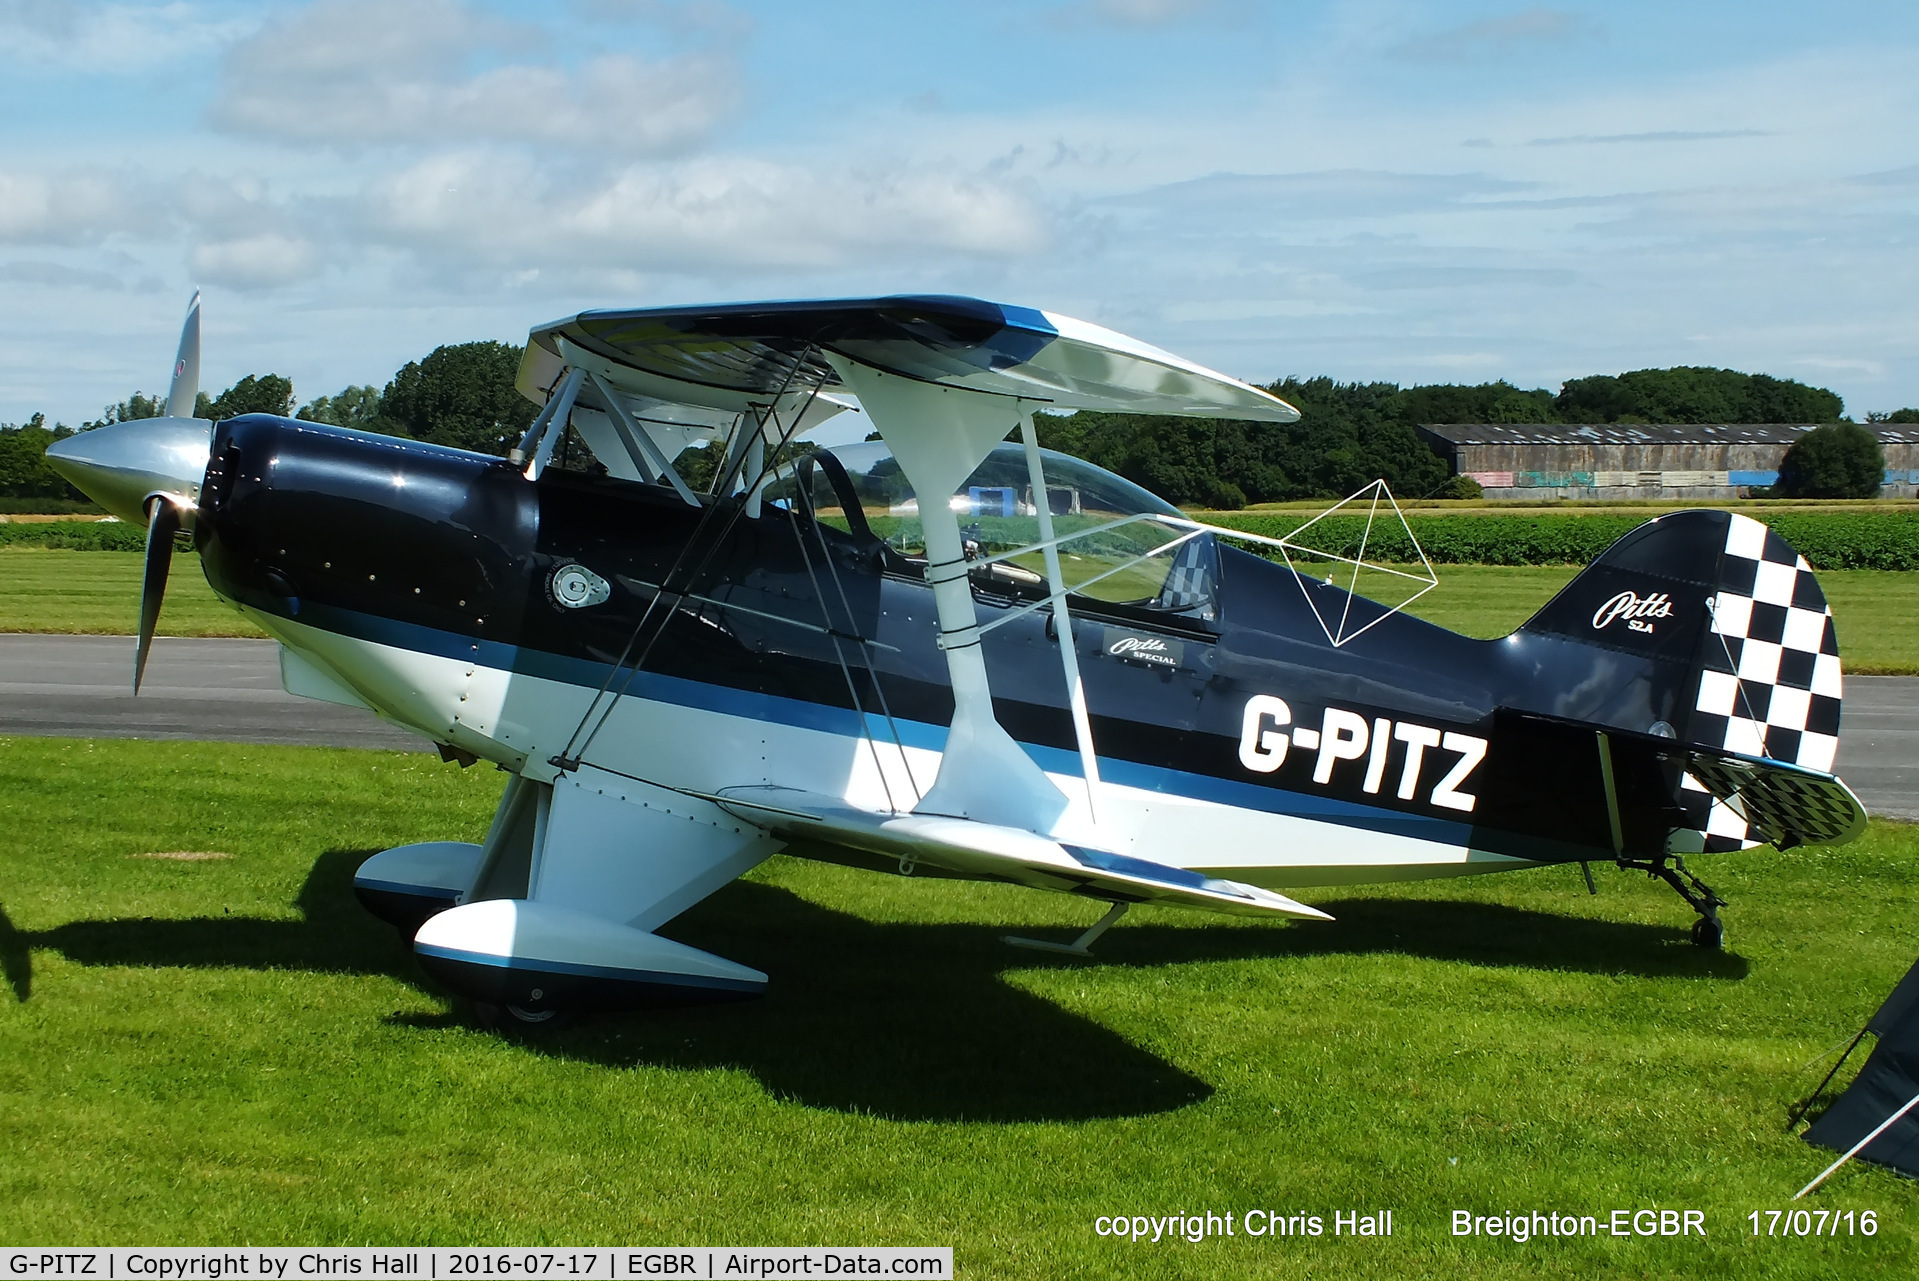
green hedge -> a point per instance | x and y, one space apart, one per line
1852 540
49 506
75 535
1828 540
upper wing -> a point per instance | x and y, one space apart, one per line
747 354
1006 853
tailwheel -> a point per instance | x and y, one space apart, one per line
1708 931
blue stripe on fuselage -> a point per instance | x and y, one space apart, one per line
825 718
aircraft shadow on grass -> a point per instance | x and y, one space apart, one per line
904 1021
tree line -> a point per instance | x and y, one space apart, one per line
1351 433
461 395
1348 433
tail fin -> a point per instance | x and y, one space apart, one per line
1735 640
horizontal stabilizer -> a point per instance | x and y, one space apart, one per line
1783 805
1771 801
1003 853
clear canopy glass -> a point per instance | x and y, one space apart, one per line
1118 545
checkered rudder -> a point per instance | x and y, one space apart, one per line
1769 680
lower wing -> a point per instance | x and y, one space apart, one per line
1004 853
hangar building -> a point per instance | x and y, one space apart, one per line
1634 460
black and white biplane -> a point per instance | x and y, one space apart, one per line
945 649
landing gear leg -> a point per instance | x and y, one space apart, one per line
1707 932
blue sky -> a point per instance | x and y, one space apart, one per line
1398 190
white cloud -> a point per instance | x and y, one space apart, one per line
390 176
108 37
254 262
719 214
711 19
242 234
68 207
40 272
352 73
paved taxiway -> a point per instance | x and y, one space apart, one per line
229 690
225 690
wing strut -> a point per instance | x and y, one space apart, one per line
640 445
939 435
541 435
1068 653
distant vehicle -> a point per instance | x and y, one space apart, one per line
888 654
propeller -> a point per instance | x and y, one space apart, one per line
185 388
167 519
148 470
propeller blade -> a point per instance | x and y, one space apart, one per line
164 523
186 365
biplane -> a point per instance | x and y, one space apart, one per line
945 650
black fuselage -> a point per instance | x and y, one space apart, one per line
451 552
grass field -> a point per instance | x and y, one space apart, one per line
68 591
1877 612
99 593
228 1050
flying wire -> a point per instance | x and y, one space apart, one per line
572 756
800 489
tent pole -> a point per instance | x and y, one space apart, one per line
1813 1098
1854 1150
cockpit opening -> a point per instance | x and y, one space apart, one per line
1118 544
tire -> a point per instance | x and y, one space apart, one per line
1708 933
517 1020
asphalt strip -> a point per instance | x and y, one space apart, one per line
229 691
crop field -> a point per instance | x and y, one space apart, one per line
225 1048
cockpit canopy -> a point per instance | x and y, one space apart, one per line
1109 527
1118 543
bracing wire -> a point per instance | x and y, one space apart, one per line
879 690
572 755
806 509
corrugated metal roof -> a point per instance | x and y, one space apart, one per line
1646 433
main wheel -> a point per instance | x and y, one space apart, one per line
517 1020
1708 933
520 1014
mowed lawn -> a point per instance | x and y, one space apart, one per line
49 590
225 1050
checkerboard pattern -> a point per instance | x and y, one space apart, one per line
1778 804
1770 679
1189 584
1723 827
